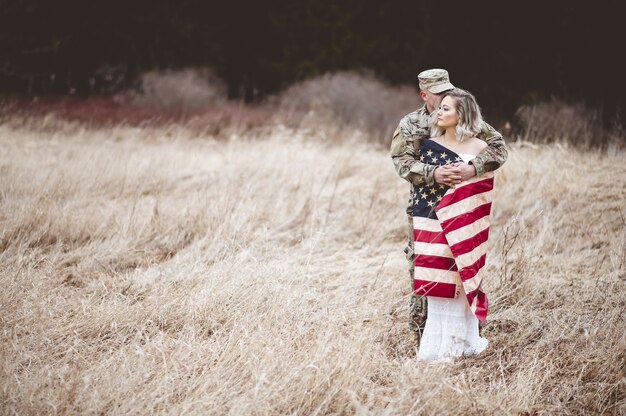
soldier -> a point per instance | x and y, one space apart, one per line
414 127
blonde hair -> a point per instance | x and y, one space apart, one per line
468 112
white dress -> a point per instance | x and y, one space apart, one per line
451 328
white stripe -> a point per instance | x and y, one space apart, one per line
472 284
472 257
467 231
437 275
426 224
463 206
472 180
432 249
474 306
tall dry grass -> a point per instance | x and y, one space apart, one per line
156 270
348 100
558 121
183 90
329 105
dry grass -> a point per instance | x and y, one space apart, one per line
181 90
357 101
558 121
152 270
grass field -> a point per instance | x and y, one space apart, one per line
157 270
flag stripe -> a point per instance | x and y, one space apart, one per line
435 262
472 257
437 275
467 218
463 206
426 224
432 249
479 304
465 191
473 269
471 296
472 284
470 244
444 290
436 237
461 234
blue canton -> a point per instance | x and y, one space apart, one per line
426 197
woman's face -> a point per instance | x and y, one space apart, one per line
446 115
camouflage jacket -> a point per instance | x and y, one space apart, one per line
415 126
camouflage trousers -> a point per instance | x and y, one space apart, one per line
418 307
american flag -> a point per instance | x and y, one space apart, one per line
450 230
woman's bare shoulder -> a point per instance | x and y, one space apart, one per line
476 144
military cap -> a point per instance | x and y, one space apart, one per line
434 80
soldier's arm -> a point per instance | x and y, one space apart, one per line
494 155
406 159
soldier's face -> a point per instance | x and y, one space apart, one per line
431 100
447 115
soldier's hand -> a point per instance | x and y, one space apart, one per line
448 175
465 171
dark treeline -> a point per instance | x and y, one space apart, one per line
506 53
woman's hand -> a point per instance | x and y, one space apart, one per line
453 174
466 171
448 175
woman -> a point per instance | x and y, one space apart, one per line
451 226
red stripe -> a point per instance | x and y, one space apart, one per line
435 237
428 288
465 192
470 244
473 269
467 218
435 262
482 304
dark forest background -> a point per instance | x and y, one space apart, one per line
506 53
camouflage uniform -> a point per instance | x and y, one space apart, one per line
404 147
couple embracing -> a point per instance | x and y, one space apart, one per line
448 154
